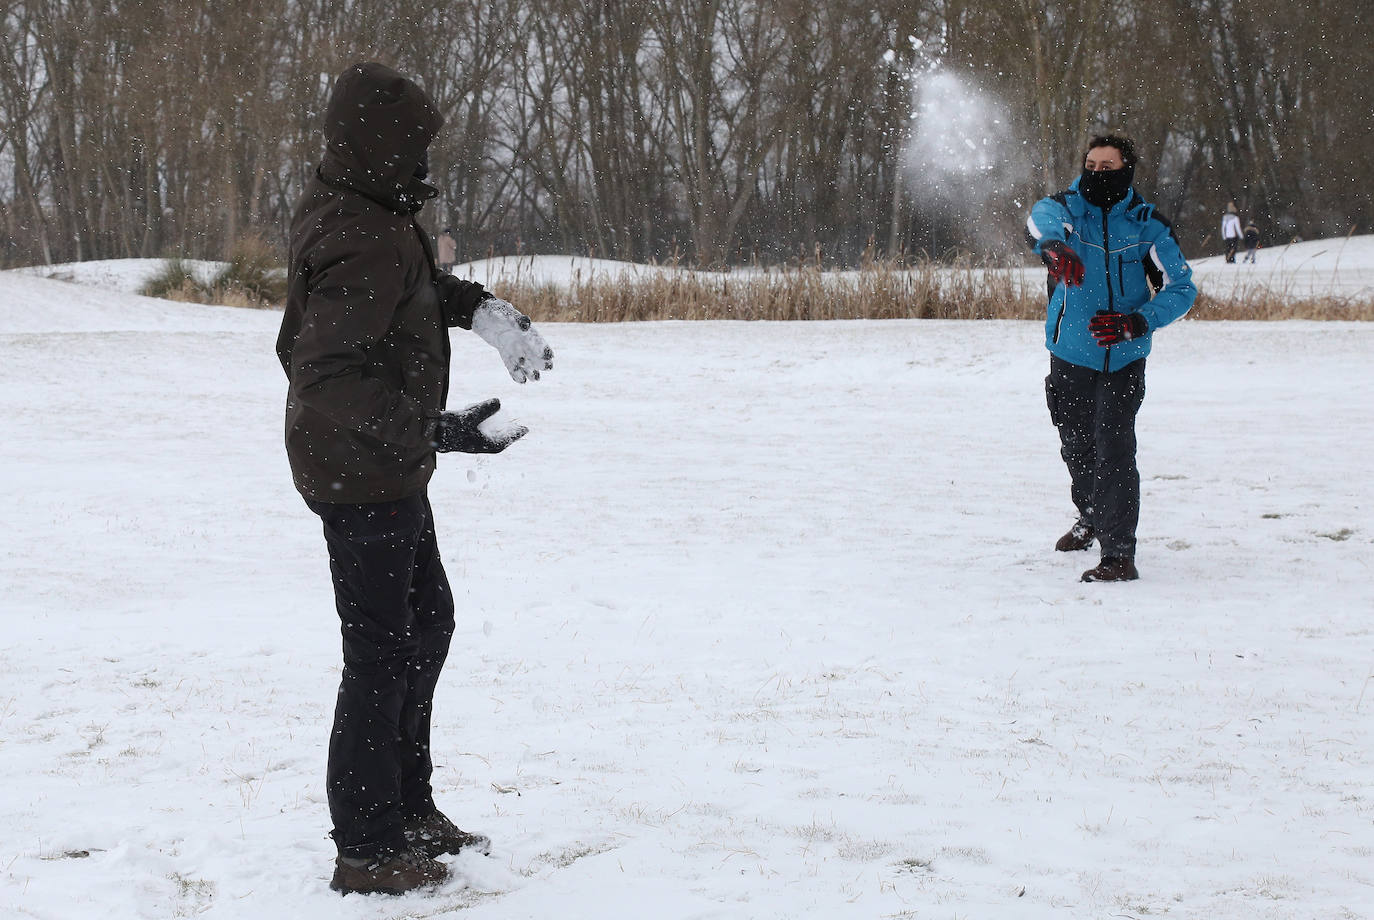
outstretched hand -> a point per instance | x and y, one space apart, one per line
1064 264
461 431
509 331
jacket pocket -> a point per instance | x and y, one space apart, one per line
1128 273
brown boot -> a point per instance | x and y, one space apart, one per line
436 835
1112 568
390 874
1080 536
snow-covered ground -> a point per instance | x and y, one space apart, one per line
760 621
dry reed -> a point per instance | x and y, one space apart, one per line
875 291
250 278
1266 304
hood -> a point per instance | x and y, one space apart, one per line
377 127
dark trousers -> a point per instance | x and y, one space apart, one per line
1095 414
396 613
1232 243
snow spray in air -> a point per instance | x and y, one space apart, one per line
962 162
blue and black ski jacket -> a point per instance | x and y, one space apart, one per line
1132 264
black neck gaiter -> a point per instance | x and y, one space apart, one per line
1107 187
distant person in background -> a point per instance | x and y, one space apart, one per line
1230 231
1116 275
448 250
1251 241
365 345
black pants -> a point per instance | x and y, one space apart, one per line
1095 414
396 612
1232 244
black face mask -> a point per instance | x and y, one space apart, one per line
1107 187
422 167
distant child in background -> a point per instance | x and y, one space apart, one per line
448 250
1251 241
1230 232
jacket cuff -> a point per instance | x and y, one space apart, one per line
431 429
458 298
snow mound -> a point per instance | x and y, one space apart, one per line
30 303
127 275
1341 267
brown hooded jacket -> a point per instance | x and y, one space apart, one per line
364 339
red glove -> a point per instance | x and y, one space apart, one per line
1110 328
1063 263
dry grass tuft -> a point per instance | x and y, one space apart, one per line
175 281
252 277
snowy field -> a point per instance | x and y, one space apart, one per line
760 621
1341 267
1315 268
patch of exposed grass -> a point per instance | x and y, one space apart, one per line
914 865
252 277
175 281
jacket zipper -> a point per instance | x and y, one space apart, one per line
1107 266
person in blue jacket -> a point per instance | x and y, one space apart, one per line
1116 274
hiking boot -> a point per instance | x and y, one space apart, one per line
435 835
1080 536
391 873
1112 568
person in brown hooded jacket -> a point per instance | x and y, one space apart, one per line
364 344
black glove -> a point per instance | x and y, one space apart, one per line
459 430
1064 264
1109 328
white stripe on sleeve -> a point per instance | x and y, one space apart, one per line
1159 263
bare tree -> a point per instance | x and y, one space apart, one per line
719 130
